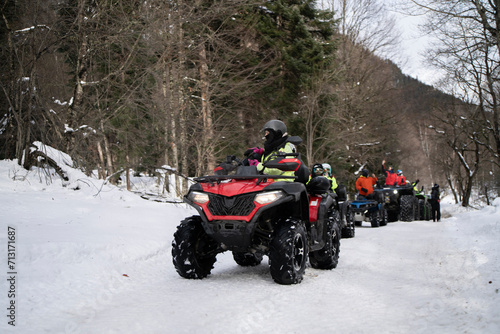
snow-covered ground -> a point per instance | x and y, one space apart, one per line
97 260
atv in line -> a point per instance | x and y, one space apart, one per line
369 210
347 227
424 208
253 215
400 202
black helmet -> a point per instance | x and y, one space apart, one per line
364 172
277 126
318 169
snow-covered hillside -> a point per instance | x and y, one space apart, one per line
89 258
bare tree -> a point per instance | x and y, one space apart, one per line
469 52
28 47
462 132
355 136
368 23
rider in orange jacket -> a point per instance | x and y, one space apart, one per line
365 183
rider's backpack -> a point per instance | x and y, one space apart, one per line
318 185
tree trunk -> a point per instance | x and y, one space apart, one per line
109 159
101 166
81 76
127 173
454 192
467 192
208 131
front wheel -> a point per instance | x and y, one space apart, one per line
407 208
288 252
193 251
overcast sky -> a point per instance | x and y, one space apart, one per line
413 49
410 55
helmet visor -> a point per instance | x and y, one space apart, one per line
318 170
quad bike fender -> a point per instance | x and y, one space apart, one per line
363 205
319 208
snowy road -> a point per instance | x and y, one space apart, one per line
102 264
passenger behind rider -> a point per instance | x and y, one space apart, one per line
365 183
276 137
400 178
328 174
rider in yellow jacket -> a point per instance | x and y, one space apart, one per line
277 140
328 174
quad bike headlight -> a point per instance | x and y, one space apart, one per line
268 197
198 197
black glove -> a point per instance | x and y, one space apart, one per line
364 190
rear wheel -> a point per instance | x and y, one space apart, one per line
349 230
328 256
392 216
288 252
428 211
383 215
421 209
193 251
247 259
375 218
416 212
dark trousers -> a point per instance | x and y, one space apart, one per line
436 210
371 196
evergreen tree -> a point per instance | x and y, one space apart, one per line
302 36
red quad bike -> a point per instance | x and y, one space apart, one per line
254 215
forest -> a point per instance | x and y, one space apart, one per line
138 86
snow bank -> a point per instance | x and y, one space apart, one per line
93 258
